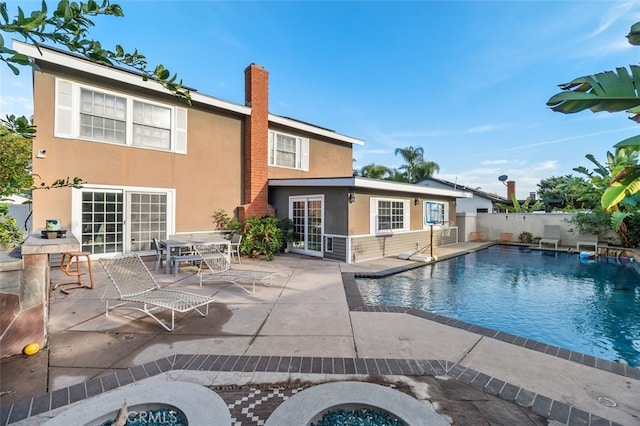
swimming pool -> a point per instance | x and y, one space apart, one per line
552 297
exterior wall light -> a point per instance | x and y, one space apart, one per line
42 153
352 197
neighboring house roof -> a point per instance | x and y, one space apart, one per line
365 183
77 62
15 199
492 197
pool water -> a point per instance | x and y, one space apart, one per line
553 297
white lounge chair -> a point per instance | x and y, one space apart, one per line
135 284
587 240
213 263
551 235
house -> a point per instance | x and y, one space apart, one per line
154 166
480 201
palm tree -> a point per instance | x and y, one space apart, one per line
411 156
424 169
375 171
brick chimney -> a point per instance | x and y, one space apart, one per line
256 145
511 189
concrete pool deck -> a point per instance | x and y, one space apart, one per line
310 320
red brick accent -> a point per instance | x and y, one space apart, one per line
511 188
256 144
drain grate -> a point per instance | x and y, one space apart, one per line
606 401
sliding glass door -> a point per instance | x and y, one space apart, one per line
122 221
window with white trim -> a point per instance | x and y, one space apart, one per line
288 151
100 115
151 125
434 213
390 215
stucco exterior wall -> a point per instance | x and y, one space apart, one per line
360 211
491 225
326 159
207 178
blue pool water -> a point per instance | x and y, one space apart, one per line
552 297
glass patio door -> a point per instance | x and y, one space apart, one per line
147 218
119 221
307 215
102 221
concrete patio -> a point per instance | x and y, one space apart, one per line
308 314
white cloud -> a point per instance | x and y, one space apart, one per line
486 128
492 162
16 105
618 11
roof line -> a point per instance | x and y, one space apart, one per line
365 183
77 62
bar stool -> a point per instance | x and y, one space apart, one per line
65 265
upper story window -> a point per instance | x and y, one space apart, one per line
102 117
99 115
151 125
288 151
389 215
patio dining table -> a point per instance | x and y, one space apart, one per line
175 243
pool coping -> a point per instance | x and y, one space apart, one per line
357 304
348 367
339 367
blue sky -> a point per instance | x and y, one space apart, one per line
466 80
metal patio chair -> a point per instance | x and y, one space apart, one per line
235 246
161 253
215 264
135 285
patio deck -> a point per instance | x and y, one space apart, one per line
308 327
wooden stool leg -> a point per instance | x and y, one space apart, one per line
90 272
65 266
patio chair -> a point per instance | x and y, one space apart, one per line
134 284
161 253
587 240
235 245
551 235
213 263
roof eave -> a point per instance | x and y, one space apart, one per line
375 184
312 129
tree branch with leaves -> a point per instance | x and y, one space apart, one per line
68 26
610 91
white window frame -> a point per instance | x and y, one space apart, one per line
374 219
427 223
67 119
76 210
302 151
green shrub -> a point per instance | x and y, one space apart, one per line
525 237
262 236
10 234
224 222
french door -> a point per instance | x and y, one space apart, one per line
120 220
307 214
